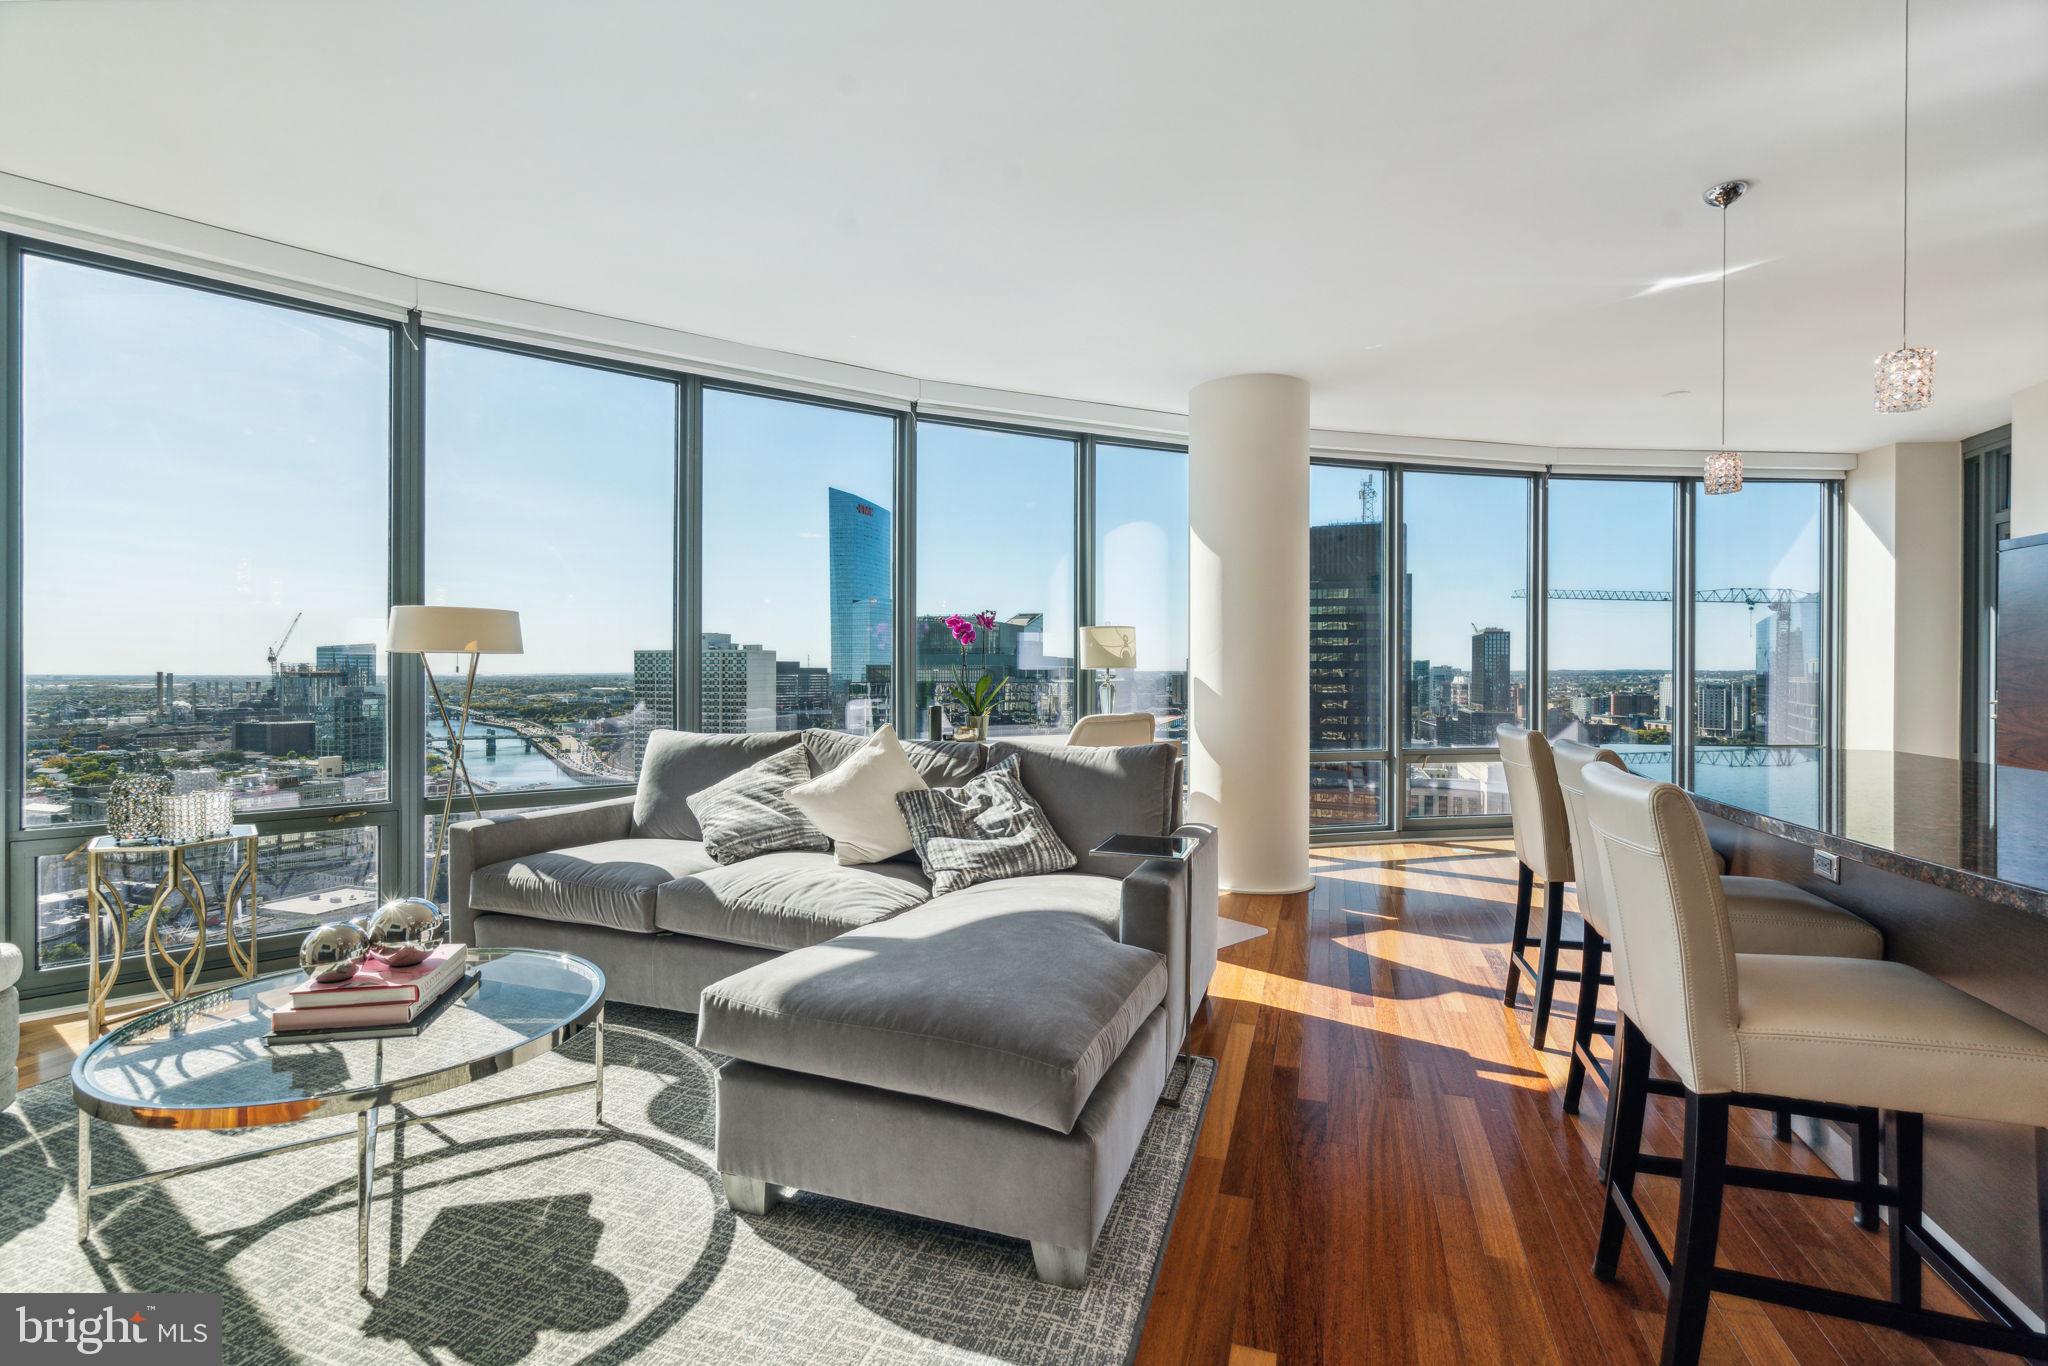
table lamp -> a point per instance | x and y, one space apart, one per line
472 631
1107 649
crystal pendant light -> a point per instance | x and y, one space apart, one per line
1724 467
1905 377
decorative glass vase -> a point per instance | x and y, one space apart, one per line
135 807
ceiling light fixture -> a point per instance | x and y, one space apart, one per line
1905 377
1724 467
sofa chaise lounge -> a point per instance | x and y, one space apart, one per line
989 1057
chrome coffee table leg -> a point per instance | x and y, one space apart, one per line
598 1085
84 1175
366 1189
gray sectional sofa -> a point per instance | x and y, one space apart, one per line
989 1057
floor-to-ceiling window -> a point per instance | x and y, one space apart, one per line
1347 567
224 491
798 570
1610 631
1464 635
1760 648
204 554
996 535
1452 595
550 490
1141 578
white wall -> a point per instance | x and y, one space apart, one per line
2030 461
1902 645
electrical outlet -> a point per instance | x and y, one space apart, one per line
1827 865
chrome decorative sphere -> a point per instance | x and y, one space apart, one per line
405 930
332 953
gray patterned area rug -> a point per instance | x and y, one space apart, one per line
523 1235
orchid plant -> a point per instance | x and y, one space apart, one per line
979 697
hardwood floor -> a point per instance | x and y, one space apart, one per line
1385 1173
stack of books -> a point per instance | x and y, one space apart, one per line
379 1002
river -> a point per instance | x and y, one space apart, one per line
515 768
1789 791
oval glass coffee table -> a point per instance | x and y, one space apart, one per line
207 1062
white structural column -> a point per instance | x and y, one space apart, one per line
1248 626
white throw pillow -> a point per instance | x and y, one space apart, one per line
855 803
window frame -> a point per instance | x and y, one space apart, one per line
1083 551
1087 572
412 528
1830 492
690 575
1387 754
1398 755
1681 558
400 819
22 847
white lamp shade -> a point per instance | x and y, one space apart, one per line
453 630
1109 647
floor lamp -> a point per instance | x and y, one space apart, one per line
471 631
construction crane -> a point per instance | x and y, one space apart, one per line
1748 597
278 648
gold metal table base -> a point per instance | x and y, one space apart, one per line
182 968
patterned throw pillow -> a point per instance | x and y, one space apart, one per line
750 812
987 828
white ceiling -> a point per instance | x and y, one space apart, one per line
1448 217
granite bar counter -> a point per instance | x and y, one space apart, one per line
1978 829
1950 861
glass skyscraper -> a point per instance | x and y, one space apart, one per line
1492 688
357 664
859 550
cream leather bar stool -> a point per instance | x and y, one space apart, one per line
1543 847
1775 1030
1764 915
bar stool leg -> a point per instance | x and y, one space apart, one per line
1902 1159
1626 1101
1525 886
1781 1126
1869 1126
1583 1019
1699 1227
1546 965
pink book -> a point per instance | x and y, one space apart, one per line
377 983
349 1017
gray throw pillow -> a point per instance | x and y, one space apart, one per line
1093 792
750 812
984 829
678 763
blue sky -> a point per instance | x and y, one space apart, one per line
199 468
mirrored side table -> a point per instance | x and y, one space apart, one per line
172 971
